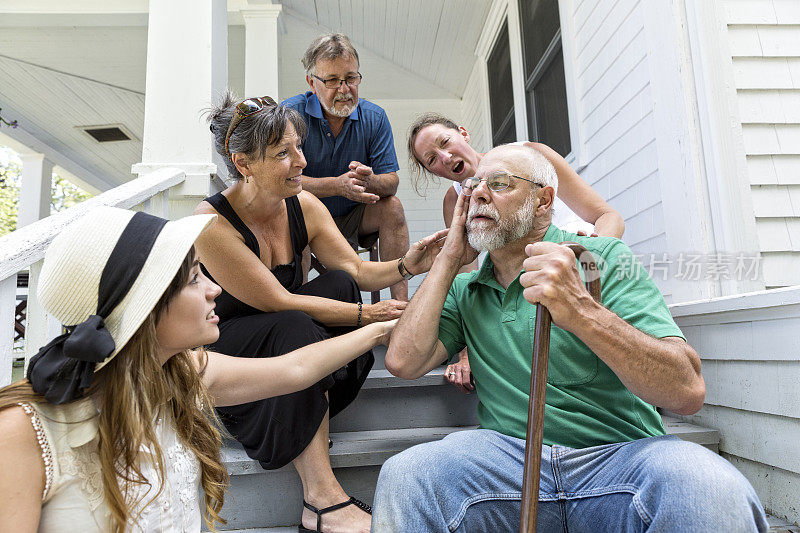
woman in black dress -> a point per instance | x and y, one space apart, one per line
254 254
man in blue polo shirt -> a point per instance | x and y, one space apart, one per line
351 162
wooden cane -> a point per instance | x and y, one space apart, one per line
541 353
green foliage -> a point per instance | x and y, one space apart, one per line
64 194
9 193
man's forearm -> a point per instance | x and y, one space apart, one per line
414 339
321 187
383 184
662 372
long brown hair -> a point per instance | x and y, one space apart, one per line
132 391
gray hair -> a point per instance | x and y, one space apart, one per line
253 134
532 164
330 46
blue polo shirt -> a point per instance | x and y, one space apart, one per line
365 137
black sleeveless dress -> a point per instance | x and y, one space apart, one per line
276 430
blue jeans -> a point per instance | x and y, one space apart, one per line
472 481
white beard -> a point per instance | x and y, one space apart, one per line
486 239
343 112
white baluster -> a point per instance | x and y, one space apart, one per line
159 205
8 305
40 327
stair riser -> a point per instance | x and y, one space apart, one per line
276 498
407 407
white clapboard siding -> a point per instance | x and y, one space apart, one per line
475 108
766 72
774 200
761 12
773 234
616 122
780 268
764 39
774 169
750 354
423 213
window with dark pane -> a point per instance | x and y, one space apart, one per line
501 93
545 86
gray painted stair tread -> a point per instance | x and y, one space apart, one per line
364 448
289 529
380 378
690 432
776 525
353 448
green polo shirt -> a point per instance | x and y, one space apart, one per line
586 403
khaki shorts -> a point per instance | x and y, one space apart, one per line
348 224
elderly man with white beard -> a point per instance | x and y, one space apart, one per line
607 464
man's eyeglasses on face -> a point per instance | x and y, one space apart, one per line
496 182
335 83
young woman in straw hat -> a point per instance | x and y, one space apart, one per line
114 427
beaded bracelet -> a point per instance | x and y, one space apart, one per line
358 322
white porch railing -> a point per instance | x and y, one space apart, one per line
25 248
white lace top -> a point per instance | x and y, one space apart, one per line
73 494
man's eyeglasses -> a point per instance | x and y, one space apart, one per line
495 182
244 109
335 83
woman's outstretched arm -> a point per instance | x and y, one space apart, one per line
581 198
241 273
331 248
237 380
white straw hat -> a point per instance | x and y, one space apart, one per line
74 262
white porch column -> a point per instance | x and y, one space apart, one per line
34 196
187 70
261 50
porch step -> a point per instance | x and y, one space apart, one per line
350 449
287 529
259 498
776 525
704 436
389 402
389 415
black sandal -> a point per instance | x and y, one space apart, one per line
319 512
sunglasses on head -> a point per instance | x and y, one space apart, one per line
244 109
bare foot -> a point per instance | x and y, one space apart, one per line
349 519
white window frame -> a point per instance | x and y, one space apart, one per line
499 11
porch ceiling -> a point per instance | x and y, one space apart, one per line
66 65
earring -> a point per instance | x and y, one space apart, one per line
247 179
